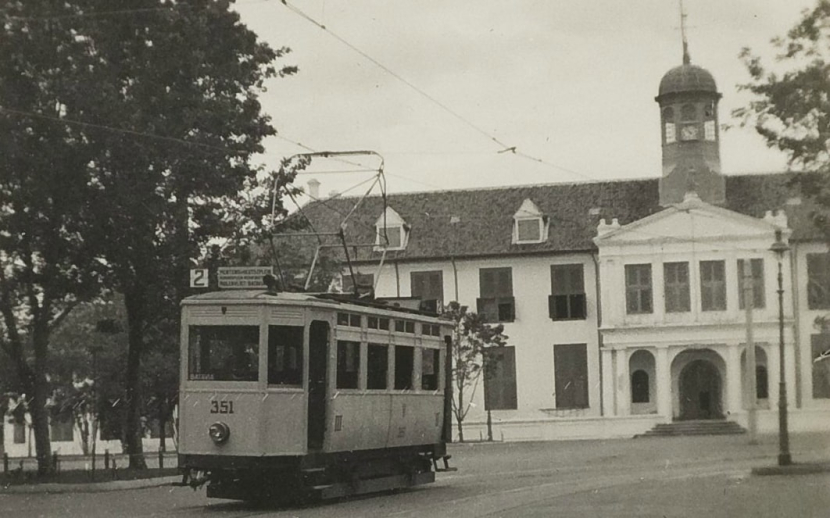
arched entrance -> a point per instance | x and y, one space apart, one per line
700 391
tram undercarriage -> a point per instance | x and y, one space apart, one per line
315 476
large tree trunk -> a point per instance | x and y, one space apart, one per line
134 301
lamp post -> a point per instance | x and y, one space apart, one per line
780 248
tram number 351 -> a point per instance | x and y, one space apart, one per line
221 407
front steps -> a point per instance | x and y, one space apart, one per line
701 427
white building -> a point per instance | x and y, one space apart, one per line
621 299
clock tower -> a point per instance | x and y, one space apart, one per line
688 99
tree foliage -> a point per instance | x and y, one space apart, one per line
791 98
134 124
471 337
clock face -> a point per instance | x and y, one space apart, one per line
689 132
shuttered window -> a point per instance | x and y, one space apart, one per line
712 286
757 273
496 303
500 378
638 288
567 300
571 375
818 281
676 287
429 287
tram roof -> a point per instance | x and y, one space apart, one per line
331 299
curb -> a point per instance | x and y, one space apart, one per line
809 468
92 487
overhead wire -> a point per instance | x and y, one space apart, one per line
64 120
505 148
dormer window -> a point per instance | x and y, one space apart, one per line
391 231
529 225
529 230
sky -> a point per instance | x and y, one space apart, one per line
569 82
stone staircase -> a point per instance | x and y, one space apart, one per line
701 427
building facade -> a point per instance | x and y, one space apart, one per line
624 301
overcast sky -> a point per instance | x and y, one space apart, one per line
571 82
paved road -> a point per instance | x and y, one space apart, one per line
678 477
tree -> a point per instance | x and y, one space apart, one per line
46 260
471 337
791 102
89 350
162 101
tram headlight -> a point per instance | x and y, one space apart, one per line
219 432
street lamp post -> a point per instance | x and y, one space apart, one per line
784 458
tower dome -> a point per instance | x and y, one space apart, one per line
687 78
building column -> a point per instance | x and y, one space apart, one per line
607 360
623 382
663 373
734 380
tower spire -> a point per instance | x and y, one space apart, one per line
686 58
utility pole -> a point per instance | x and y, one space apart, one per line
750 385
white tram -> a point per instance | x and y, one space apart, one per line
287 395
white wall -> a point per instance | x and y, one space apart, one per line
533 333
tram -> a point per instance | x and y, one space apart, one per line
297 395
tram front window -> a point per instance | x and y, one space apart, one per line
224 353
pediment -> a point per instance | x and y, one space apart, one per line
691 221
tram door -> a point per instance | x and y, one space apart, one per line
318 341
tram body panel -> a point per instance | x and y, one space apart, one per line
258 423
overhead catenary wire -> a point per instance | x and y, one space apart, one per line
504 147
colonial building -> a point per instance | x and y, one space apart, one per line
622 300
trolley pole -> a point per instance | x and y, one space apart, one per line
750 385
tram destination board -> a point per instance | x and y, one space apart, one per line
242 277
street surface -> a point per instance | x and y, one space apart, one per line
647 477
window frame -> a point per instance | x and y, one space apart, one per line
425 285
571 392
818 280
677 292
540 228
399 230
758 284
639 292
500 380
496 302
571 292
292 377
715 288
347 379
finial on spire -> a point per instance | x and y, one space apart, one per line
686 58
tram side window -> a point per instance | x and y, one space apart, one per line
429 369
224 353
404 357
348 364
378 365
285 355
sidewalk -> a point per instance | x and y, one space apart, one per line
91 487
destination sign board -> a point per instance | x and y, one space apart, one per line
243 277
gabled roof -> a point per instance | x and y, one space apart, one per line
485 216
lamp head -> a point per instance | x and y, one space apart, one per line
779 247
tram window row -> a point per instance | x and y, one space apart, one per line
383 324
231 353
377 366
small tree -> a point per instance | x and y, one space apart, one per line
471 337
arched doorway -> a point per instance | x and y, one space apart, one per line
700 391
